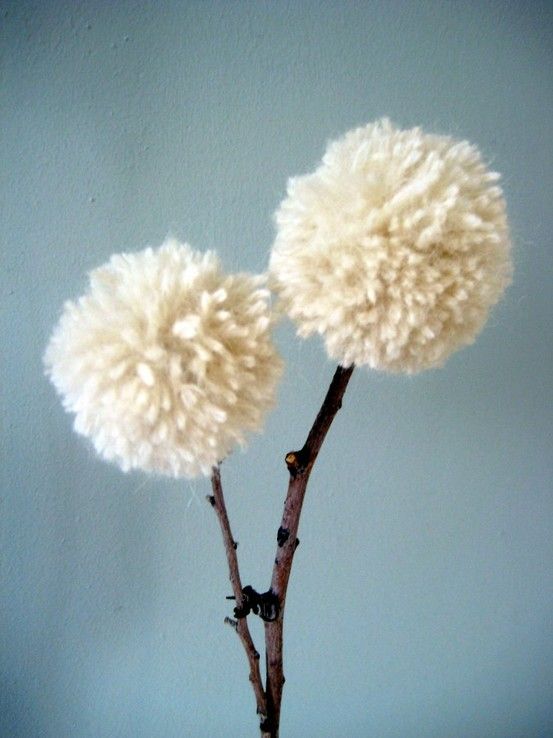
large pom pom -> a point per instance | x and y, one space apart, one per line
394 249
166 362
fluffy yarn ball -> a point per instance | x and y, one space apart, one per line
166 362
394 249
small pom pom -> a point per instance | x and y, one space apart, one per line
151 360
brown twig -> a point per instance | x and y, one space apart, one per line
300 464
217 501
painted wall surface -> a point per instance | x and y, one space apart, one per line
421 603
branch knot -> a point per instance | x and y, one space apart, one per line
297 462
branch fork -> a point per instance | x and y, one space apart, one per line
270 605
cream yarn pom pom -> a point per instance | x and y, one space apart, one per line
166 362
394 249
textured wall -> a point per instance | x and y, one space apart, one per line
421 600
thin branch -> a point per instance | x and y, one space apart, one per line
300 464
217 501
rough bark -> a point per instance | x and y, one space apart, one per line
299 463
217 501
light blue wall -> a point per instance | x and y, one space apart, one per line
421 603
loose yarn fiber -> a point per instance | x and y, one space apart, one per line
394 249
166 361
